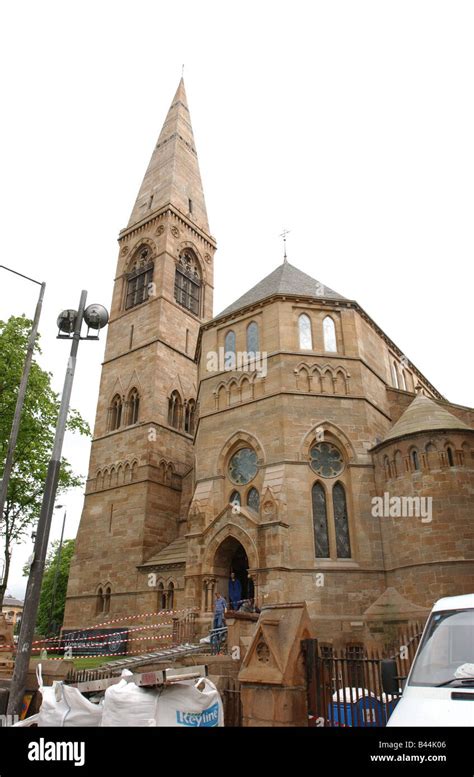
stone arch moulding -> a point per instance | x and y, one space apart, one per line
132 254
193 247
117 388
231 530
133 382
240 437
333 430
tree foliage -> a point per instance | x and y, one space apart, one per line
48 617
35 439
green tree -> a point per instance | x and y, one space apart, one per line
47 615
35 439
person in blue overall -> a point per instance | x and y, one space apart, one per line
235 592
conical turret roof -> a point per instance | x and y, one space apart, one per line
423 415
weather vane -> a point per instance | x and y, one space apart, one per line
283 235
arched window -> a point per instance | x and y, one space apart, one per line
305 335
161 597
107 596
139 278
170 596
253 344
99 601
449 452
189 416
175 410
395 375
415 460
234 498
386 466
398 462
329 332
341 521
253 500
133 406
229 350
115 413
187 283
404 381
320 522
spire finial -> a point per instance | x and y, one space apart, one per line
283 235
182 71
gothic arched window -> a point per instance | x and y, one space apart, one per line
133 406
304 331
187 282
99 601
175 410
395 375
189 416
329 332
115 413
229 350
415 460
341 521
320 522
139 278
161 597
404 381
253 500
170 596
107 597
449 452
253 344
235 498
398 463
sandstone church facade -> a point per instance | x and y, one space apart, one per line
198 467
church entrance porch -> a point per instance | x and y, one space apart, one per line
229 558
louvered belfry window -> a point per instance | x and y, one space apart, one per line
187 284
139 279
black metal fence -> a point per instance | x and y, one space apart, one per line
345 687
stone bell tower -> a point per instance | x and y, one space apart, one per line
140 472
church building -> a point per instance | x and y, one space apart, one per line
287 439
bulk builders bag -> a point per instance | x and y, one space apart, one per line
190 704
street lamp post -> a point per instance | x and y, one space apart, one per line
70 322
56 573
8 466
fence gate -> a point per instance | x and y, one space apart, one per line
344 687
232 703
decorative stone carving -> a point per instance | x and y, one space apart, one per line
263 652
124 251
160 229
175 231
207 258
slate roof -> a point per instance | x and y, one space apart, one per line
10 601
174 553
423 414
286 279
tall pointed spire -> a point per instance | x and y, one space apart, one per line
173 175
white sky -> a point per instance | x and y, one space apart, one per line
349 123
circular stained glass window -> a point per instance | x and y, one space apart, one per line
243 466
326 460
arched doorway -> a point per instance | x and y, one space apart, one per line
231 557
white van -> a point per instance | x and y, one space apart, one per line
439 690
